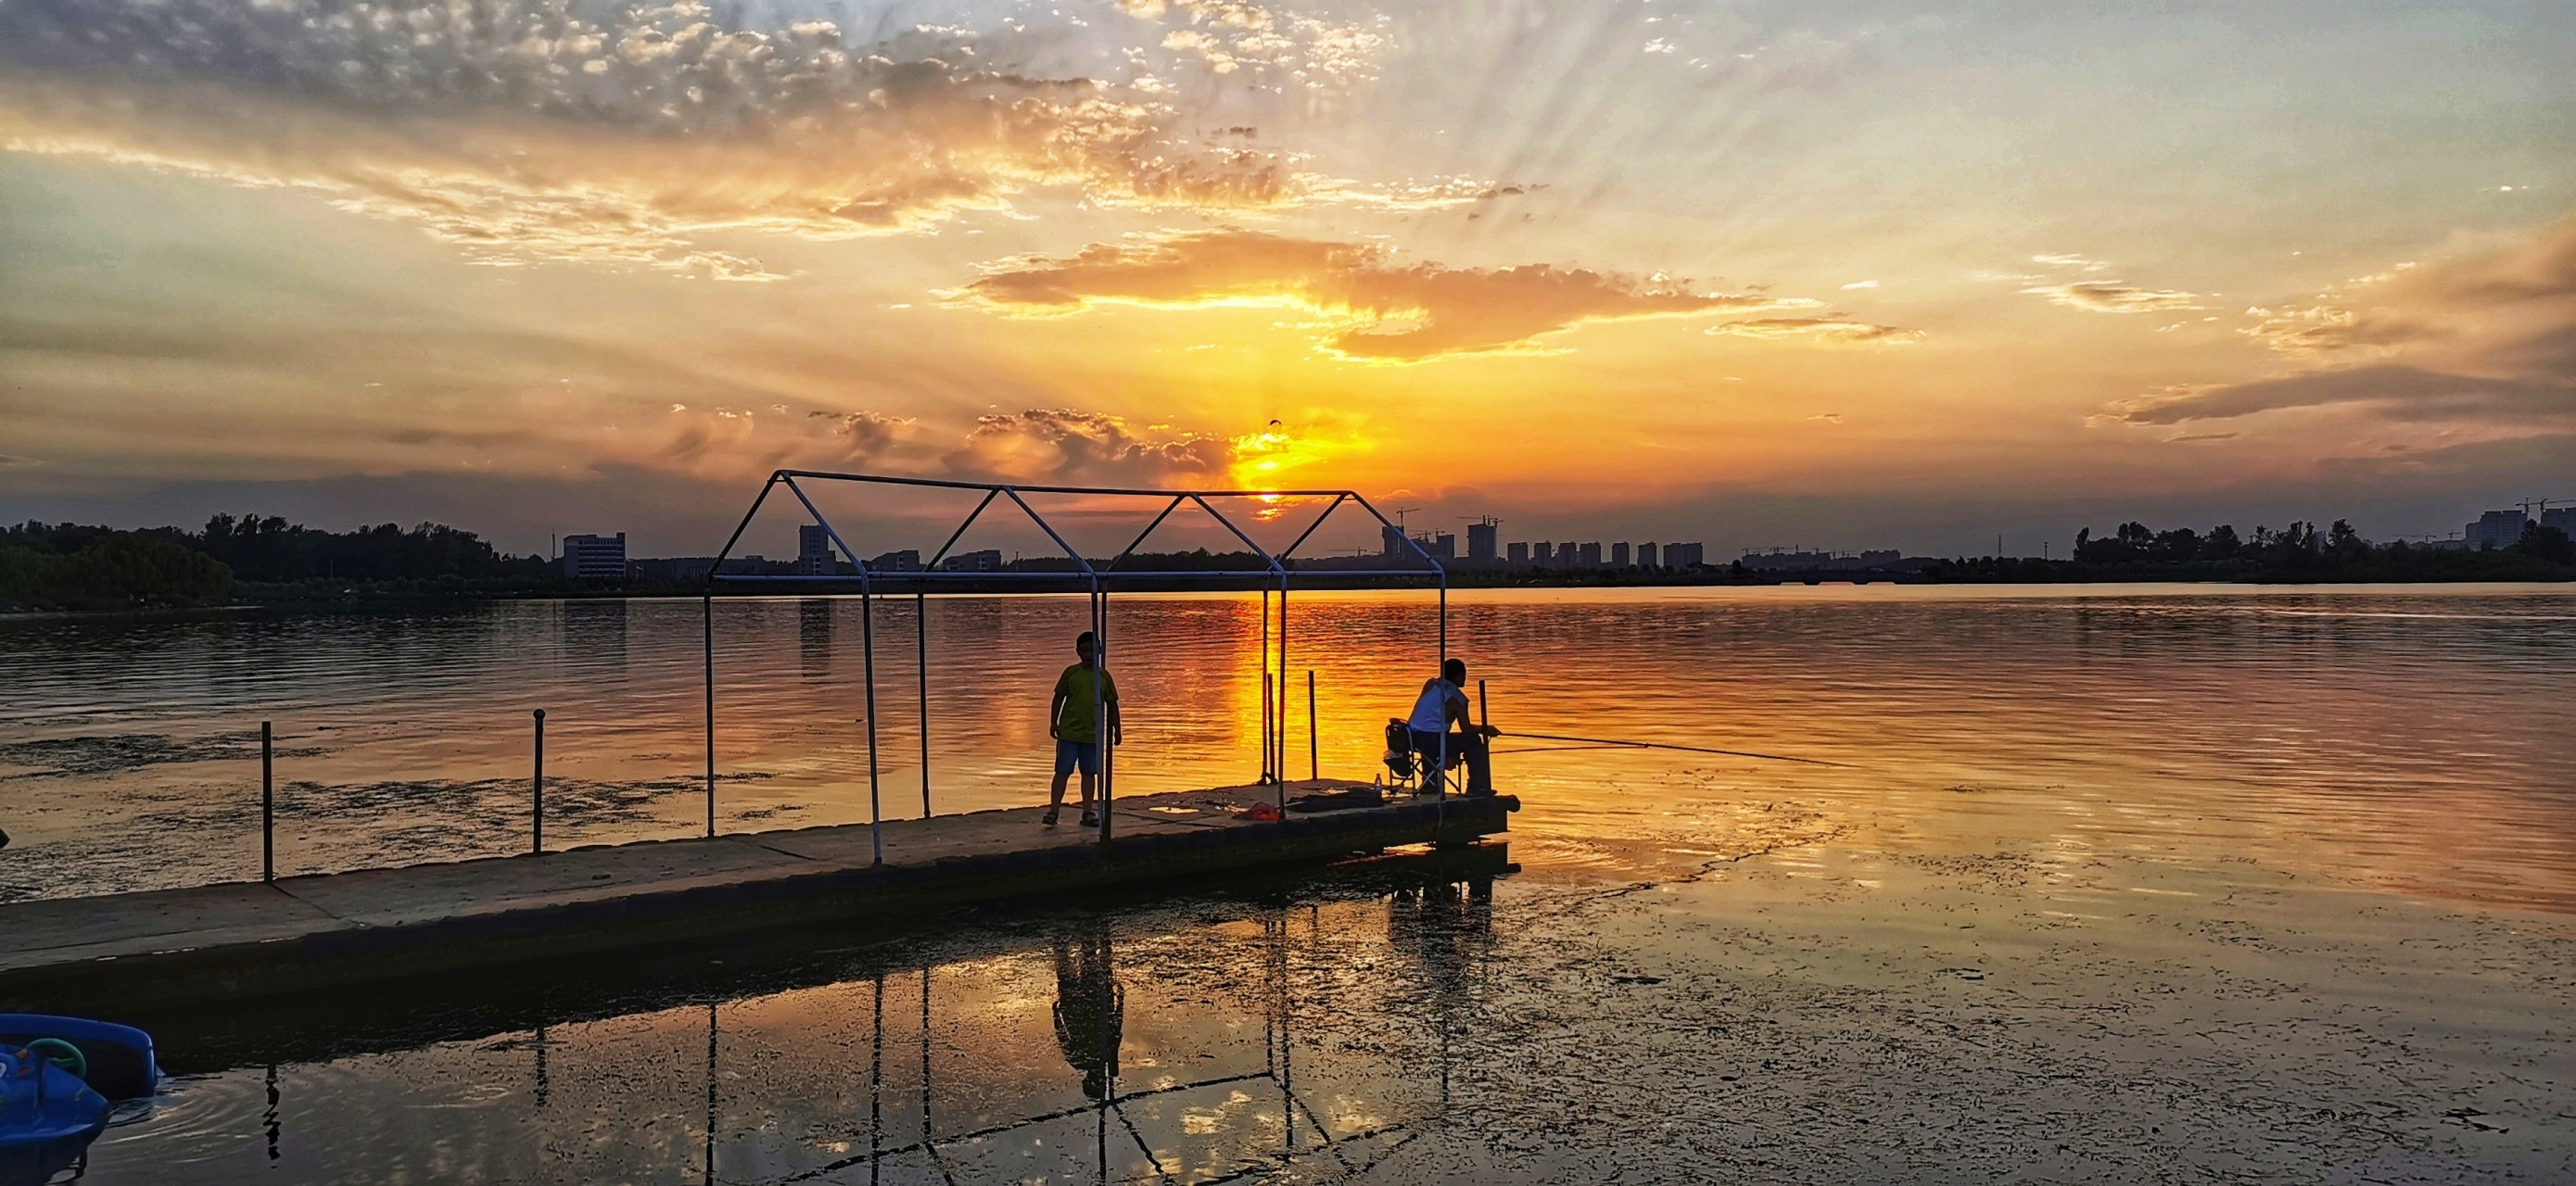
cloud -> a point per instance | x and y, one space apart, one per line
2193 438
2071 261
2113 296
1383 311
2488 337
1829 329
526 131
1066 445
861 436
8 461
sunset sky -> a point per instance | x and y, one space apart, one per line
1828 274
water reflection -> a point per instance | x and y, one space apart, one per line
1090 1008
1188 1042
2396 736
814 636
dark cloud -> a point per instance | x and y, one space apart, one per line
2489 338
1392 311
861 436
1840 330
2113 296
1062 444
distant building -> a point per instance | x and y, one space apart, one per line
1589 556
814 551
1520 555
988 560
1481 536
2564 519
1392 539
1681 555
1442 546
1619 554
1646 554
595 557
907 560
1543 554
2496 529
673 570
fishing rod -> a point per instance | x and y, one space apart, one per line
1617 743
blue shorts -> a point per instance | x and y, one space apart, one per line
1069 754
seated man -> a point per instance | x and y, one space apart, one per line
1444 701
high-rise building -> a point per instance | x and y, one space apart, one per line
1646 554
814 551
1543 554
1520 555
1681 555
1481 537
1619 554
1442 545
1589 556
2564 519
1392 539
595 557
2496 529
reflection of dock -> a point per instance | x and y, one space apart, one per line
300 933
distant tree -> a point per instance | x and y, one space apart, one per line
2547 543
2221 544
70 566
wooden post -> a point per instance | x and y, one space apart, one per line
537 793
267 807
1314 748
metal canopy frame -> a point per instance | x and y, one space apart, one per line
1096 579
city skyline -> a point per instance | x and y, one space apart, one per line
1838 274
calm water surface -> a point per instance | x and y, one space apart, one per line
2133 883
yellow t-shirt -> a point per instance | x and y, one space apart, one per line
1077 722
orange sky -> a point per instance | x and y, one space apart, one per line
1842 275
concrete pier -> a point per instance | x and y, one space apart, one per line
239 940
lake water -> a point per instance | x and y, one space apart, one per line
2110 882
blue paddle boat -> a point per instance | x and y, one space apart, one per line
59 1078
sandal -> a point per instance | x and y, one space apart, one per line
1049 818
1090 820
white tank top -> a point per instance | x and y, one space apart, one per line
1431 711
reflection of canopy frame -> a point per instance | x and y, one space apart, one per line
1097 580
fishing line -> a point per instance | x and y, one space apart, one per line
1696 749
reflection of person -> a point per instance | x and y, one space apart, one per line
1073 719
1443 702
1090 1011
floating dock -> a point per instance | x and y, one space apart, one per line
243 940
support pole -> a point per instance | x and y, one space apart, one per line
1100 707
710 605
1314 746
267 806
1266 769
1281 733
868 663
537 793
921 642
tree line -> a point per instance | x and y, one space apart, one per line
75 566
2299 552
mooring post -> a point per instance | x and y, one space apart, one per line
537 793
1314 747
267 807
